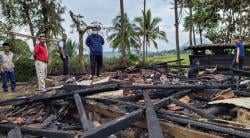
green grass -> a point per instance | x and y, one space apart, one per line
165 58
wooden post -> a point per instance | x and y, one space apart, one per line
153 124
81 112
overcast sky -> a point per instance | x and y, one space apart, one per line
105 10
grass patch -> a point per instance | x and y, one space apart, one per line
165 58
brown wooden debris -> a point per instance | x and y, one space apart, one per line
225 94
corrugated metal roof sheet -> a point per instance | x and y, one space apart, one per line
242 102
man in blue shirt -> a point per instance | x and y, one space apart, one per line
95 42
239 53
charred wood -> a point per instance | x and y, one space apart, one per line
15 133
114 126
210 126
154 128
82 112
39 132
192 108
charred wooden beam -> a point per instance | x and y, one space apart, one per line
166 100
241 72
192 108
174 130
131 105
13 101
205 125
154 128
39 132
176 87
15 133
242 93
81 92
82 112
215 110
114 126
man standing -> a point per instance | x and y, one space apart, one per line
239 54
64 53
41 60
95 42
7 68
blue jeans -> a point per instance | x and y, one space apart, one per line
11 76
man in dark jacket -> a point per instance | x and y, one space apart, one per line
197 71
95 42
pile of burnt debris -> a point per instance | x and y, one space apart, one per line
148 102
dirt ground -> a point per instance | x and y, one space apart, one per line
21 89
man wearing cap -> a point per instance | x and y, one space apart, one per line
64 53
7 68
95 42
239 54
41 60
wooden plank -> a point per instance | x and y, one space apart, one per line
176 87
39 132
198 111
81 92
114 126
15 133
166 100
81 112
176 131
217 127
154 128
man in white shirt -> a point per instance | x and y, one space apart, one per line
64 53
7 68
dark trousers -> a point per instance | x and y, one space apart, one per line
238 65
8 75
96 64
65 65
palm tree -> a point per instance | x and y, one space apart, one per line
122 32
144 30
131 39
152 29
72 48
177 30
40 15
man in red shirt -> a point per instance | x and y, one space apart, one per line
41 60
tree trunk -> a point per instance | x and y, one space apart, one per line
241 22
45 5
194 36
144 34
146 52
200 31
81 48
177 31
191 26
31 26
123 47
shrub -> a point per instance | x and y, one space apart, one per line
25 70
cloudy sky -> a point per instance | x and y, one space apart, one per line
105 10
